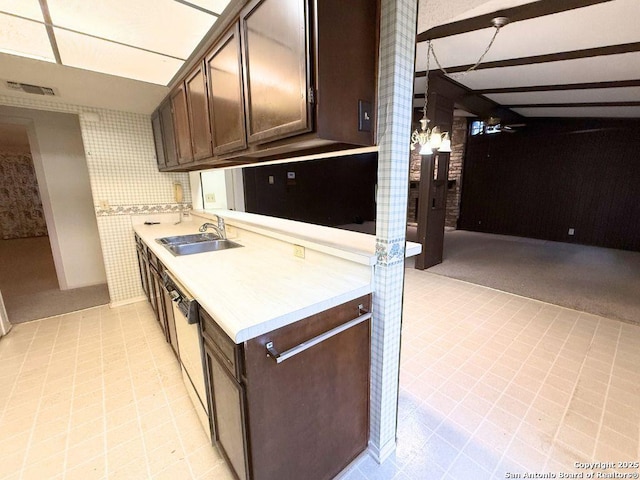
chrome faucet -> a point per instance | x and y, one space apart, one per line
219 228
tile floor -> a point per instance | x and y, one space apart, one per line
491 384
98 394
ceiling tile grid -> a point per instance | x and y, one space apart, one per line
145 40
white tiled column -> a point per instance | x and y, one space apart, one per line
395 91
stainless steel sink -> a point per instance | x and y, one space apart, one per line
196 243
193 238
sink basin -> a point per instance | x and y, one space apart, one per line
193 238
196 243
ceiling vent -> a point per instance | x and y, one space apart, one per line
35 89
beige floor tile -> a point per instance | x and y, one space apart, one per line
494 374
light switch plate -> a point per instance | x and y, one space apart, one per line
365 112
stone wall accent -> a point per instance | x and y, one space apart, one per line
458 145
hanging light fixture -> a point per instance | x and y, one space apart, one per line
432 139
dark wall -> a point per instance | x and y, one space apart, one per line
330 192
553 175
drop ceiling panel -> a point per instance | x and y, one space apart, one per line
595 69
80 51
581 112
24 8
626 94
24 38
609 23
163 26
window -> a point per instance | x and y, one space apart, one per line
477 127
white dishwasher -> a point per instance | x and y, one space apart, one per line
190 348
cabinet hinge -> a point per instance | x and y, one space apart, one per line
312 95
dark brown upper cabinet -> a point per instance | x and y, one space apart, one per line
164 136
224 74
198 108
181 124
277 84
286 78
156 125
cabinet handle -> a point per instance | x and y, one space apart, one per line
281 357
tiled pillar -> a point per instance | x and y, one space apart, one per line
395 90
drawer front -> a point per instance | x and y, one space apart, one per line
225 346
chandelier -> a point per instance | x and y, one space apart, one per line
432 139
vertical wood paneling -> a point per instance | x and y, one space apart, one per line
556 174
332 191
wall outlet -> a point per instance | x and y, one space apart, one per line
298 251
210 198
271 180
572 231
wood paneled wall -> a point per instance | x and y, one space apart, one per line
332 191
553 175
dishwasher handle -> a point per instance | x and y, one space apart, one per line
281 357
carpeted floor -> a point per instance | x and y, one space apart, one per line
30 287
596 280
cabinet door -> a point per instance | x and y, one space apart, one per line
198 108
168 134
228 407
143 265
276 73
181 125
157 300
309 414
224 74
156 126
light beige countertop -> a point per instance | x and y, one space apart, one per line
262 286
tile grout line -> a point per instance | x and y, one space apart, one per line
44 382
104 398
537 394
606 395
18 374
480 379
135 394
554 440
502 393
72 395
164 393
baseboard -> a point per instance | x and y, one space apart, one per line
381 454
128 301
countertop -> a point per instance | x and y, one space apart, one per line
262 286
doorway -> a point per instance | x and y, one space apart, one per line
31 282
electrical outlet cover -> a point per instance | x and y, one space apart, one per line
298 251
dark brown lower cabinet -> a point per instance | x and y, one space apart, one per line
228 415
143 265
306 416
151 278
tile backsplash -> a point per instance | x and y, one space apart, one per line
124 181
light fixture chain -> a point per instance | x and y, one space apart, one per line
426 82
473 67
